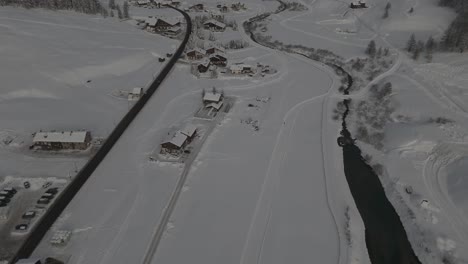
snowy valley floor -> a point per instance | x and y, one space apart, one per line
275 195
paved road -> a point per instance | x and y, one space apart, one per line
73 188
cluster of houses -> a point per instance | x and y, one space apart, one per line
156 3
234 7
59 140
211 56
358 4
177 143
164 26
216 56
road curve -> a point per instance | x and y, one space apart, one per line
61 202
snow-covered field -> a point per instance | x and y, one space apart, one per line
275 195
62 71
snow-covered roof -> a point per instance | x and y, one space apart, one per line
189 130
196 49
216 13
239 67
221 49
137 90
212 97
170 20
205 63
218 55
215 22
216 106
151 21
178 139
63 136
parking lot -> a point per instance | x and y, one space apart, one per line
14 222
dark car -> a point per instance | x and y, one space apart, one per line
50 260
4 199
52 190
21 227
29 215
2 204
10 190
6 194
27 184
43 201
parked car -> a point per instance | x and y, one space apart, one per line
2 204
43 201
49 196
4 199
26 184
50 260
6 194
46 185
21 227
52 190
10 190
29 215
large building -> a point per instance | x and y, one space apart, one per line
62 140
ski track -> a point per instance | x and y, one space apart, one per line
275 152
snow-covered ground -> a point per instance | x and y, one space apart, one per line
62 71
237 192
274 195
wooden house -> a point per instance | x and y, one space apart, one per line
196 54
214 25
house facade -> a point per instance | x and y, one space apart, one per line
240 69
62 140
358 4
196 54
177 143
214 50
203 66
196 8
163 25
218 60
214 25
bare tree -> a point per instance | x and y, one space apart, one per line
125 10
119 12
